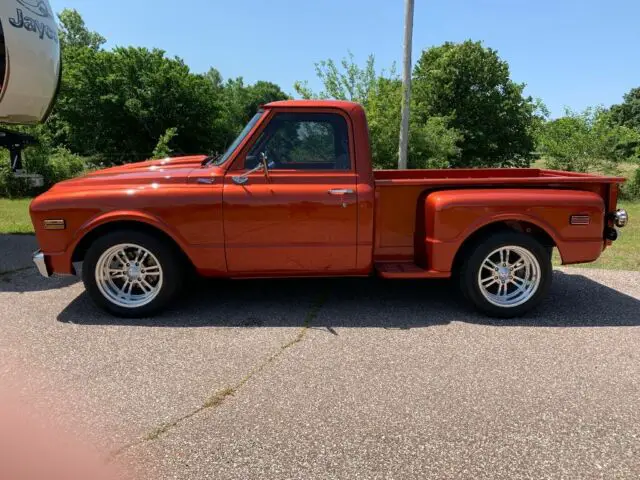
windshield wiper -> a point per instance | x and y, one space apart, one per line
210 159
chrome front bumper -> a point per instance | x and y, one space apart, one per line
41 264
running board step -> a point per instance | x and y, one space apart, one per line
406 270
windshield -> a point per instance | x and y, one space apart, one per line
223 158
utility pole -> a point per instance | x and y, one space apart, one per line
406 84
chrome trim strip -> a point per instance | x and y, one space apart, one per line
41 264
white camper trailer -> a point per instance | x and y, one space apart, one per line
30 69
29 61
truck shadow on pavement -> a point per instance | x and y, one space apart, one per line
574 301
27 279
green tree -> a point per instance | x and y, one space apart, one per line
241 102
74 33
163 148
587 141
628 112
215 77
432 143
116 105
470 85
347 81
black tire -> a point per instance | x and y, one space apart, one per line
171 263
474 257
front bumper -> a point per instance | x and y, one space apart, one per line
41 264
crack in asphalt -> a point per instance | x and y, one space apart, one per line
219 397
21 269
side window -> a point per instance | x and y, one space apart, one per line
304 141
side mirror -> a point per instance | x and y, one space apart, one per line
265 165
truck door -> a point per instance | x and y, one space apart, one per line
300 217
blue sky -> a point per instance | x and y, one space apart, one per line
568 52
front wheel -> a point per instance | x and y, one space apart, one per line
507 274
131 273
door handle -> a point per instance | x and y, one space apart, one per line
240 179
340 191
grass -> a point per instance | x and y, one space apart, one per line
14 216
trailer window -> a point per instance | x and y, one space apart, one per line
304 141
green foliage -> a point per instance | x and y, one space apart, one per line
62 165
74 33
163 149
345 82
628 112
10 186
115 105
587 141
631 188
240 102
432 143
128 104
383 116
470 85
53 163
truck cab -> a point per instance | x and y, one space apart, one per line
296 195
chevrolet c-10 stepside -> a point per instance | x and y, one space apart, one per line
296 195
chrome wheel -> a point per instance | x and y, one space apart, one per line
509 276
128 275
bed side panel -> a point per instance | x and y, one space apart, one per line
452 215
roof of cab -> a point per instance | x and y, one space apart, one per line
344 105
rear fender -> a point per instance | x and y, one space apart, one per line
452 216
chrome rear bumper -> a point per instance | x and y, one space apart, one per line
41 264
620 217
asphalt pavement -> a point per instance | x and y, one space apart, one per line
343 378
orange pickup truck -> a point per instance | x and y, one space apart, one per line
295 195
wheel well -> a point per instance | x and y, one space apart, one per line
86 241
510 225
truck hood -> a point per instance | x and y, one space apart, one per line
166 171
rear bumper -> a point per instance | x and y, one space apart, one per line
41 264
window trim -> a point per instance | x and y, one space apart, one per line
238 162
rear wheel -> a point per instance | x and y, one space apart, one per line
507 274
131 273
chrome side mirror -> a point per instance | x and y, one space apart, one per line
265 165
262 165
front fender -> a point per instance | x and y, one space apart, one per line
452 216
61 260
126 215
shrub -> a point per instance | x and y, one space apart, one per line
163 149
631 188
587 142
10 186
54 165
62 165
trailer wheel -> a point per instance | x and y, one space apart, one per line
131 273
506 274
